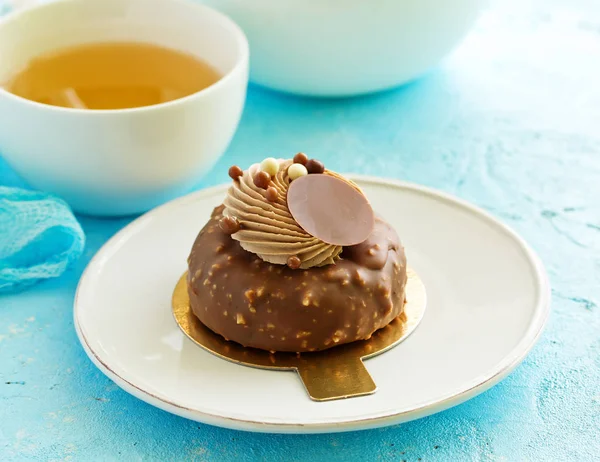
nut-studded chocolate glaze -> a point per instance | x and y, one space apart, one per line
273 307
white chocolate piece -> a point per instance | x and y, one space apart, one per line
270 165
295 171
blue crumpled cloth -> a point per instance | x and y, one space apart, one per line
39 237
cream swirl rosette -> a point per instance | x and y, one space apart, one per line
267 228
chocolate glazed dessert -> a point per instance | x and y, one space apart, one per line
295 260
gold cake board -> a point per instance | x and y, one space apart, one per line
331 374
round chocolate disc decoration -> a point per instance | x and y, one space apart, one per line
330 209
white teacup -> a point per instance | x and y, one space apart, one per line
117 162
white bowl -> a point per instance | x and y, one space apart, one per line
347 47
118 162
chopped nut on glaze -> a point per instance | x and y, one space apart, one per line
357 278
235 172
300 158
250 295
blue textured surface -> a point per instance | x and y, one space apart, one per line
510 122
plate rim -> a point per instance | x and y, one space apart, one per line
383 418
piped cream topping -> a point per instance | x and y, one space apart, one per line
268 228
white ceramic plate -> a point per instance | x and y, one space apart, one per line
488 300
